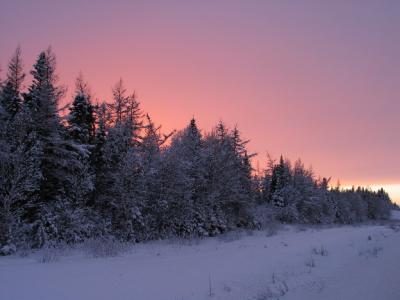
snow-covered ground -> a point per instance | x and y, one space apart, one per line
361 262
396 215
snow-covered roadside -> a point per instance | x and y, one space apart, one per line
345 262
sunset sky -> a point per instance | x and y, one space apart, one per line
319 80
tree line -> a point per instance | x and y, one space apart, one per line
106 169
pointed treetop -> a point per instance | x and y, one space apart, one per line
119 89
44 91
81 118
125 108
221 130
11 91
44 68
193 129
81 86
16 73
238 143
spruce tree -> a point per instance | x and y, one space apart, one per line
51 210
81 118
11 134
281 178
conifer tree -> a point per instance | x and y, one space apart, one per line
11 182
241 177
281 178
184 182
81 129
117 172
229 182
98 159
150 151
81 117
50 211
10 96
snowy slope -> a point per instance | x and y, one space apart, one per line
355 263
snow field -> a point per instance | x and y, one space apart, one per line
345 262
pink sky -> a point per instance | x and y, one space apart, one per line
312 79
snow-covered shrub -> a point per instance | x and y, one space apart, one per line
263 216
276 289
395 228
272 228
301 227
287 214
310 262
372 252
375 251
320 251
103 247
231 236
7 249
24 251
49 254
310 210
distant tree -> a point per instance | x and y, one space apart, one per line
117 165
150 151
98 159
125 109
183 173
266 193
378 204
229 181
10 96
220 163
242 188
81 118
281 177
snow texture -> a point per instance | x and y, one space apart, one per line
348 262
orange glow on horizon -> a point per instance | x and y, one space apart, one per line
393 189
312 80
